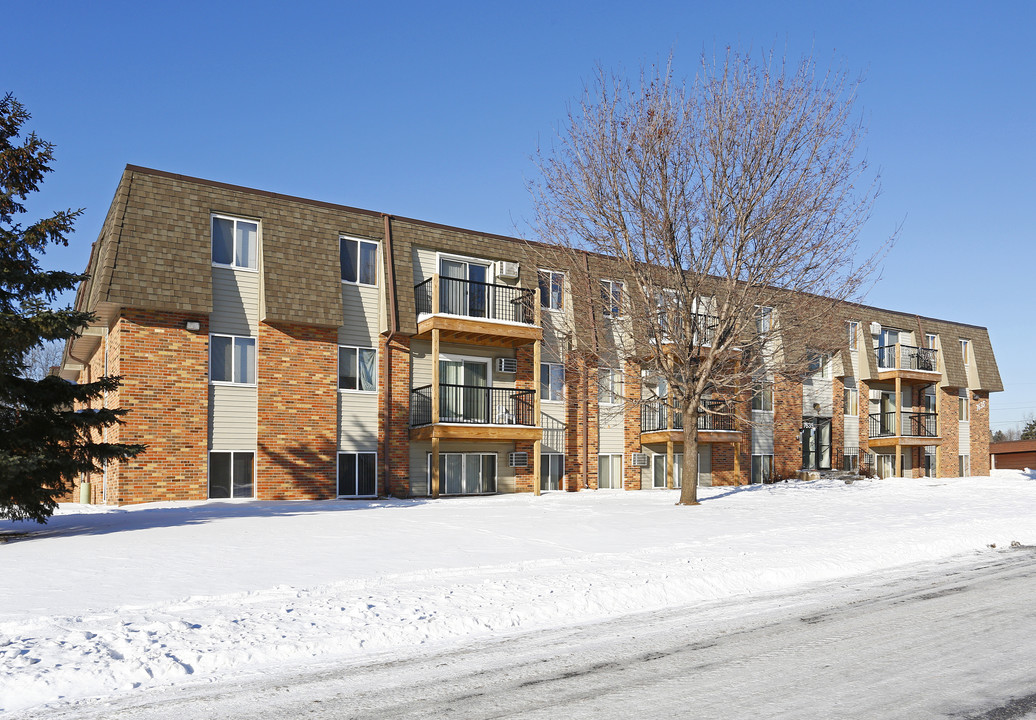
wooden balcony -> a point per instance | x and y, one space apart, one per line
468 412
906 362
476 313
660 423
918 429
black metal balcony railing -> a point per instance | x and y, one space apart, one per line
477 300
703 327
654 416
474 405
923 424
910 358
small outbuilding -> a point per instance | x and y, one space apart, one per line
1013 455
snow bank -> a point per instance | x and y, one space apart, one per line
103 600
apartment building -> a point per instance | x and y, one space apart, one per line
275 347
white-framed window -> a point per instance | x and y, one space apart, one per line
965 351
610 382
552 381
465 473
552 471
611 298
852 401
609 471
963 412
357 369
357 474
231 474
359 260
850 459
763 319
762 398
819 365
552 289
853 328
930 340
762 469
235 242
964 465
232 359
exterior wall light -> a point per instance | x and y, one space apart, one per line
192 325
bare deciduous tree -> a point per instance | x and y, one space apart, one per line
729 209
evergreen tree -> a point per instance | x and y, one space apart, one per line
45 441
1029 431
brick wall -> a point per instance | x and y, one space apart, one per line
787 421
980 434
397 426
837 423
525 478
164 370
298 412
631 430
575 422
948 419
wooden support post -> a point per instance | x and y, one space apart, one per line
899 460
435 467
737 463
435 293
537 468
670 471
899 407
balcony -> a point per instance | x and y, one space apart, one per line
469 412
659 422
908 363
919 428
476 313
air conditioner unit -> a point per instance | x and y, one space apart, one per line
506 269
507 365
518 459
638 459
875 328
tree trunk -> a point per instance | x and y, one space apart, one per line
689 487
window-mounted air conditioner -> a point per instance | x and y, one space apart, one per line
518 459
506 269
875 328
638 459
507 365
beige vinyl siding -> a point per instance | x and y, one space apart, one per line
850 431
705 465
361 316
419 463
357 422
235 302
233 417
964 438
612 431
424 264
762 433
552 419
818 391
421 361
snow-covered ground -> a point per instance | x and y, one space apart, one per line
101 601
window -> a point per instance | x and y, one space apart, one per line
852 401
763 319
357 369
552 470
658 470
234 242
552 289
930 340
762 399
962 406
357 474
610 383
611 297
552 381
965 351
465 473
231 474
819 365
964 465
359 261
853 328
232 359
609 472
762 469
850 459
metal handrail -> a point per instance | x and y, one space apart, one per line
654 416
473 404
471 298
910 358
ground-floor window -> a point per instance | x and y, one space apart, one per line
658 471
886 465
762 469
552 470
850 459
231 474
929 461
357 474
964 465
465 473
609 472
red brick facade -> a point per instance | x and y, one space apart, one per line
631 427
787 422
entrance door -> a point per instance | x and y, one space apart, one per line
816 444
461 395
887 421
887 348
463 287
552 469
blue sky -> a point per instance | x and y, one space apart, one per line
432 110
